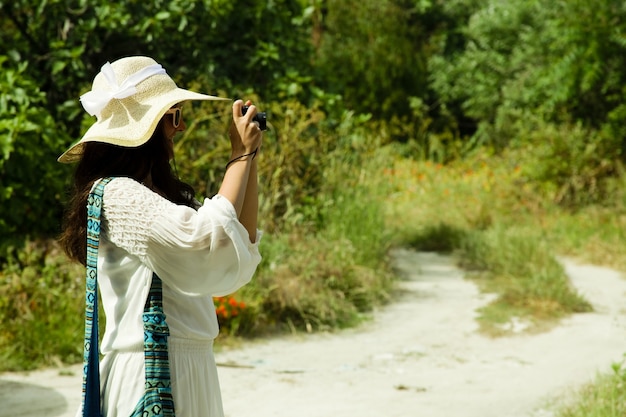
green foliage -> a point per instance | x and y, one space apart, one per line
54 49
295 154
318 270
225 45
328 262
31 181
520 268
374 43
478 210
604 397
41 308
440 237
293 177
560 61
594 234
311 284
547 78
568 164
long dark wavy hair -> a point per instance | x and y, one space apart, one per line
101 160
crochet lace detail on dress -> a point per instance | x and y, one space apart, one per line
129 211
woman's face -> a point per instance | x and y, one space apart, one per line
173 123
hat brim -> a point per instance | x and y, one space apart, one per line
132 130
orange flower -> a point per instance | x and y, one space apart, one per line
228 307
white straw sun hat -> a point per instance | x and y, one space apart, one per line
129 97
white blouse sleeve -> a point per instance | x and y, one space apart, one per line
201 252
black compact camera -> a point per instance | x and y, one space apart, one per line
259 117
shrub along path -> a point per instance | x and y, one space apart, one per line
420 355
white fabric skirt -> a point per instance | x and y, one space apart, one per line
195 384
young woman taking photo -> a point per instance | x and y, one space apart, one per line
152 226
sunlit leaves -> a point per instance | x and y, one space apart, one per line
29 174
561 60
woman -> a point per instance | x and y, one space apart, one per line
152 223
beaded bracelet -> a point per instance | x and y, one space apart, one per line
253 153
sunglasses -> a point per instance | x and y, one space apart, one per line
177 115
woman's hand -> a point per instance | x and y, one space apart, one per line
245 135
240 179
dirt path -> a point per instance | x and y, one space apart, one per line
420 356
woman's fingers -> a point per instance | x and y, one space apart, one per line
245 134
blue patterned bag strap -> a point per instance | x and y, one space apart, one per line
91 360
157 400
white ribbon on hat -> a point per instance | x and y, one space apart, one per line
95 101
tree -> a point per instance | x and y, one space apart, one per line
31 181
561 61
372 53
50 52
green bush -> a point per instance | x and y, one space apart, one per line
536 57
521 269
604 397
325 250
569 164
54 49
31 181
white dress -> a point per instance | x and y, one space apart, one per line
198 255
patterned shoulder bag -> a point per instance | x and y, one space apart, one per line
157 400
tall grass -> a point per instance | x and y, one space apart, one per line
322 279
595 234
41 308
327 264
480 210
604 397
520 268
